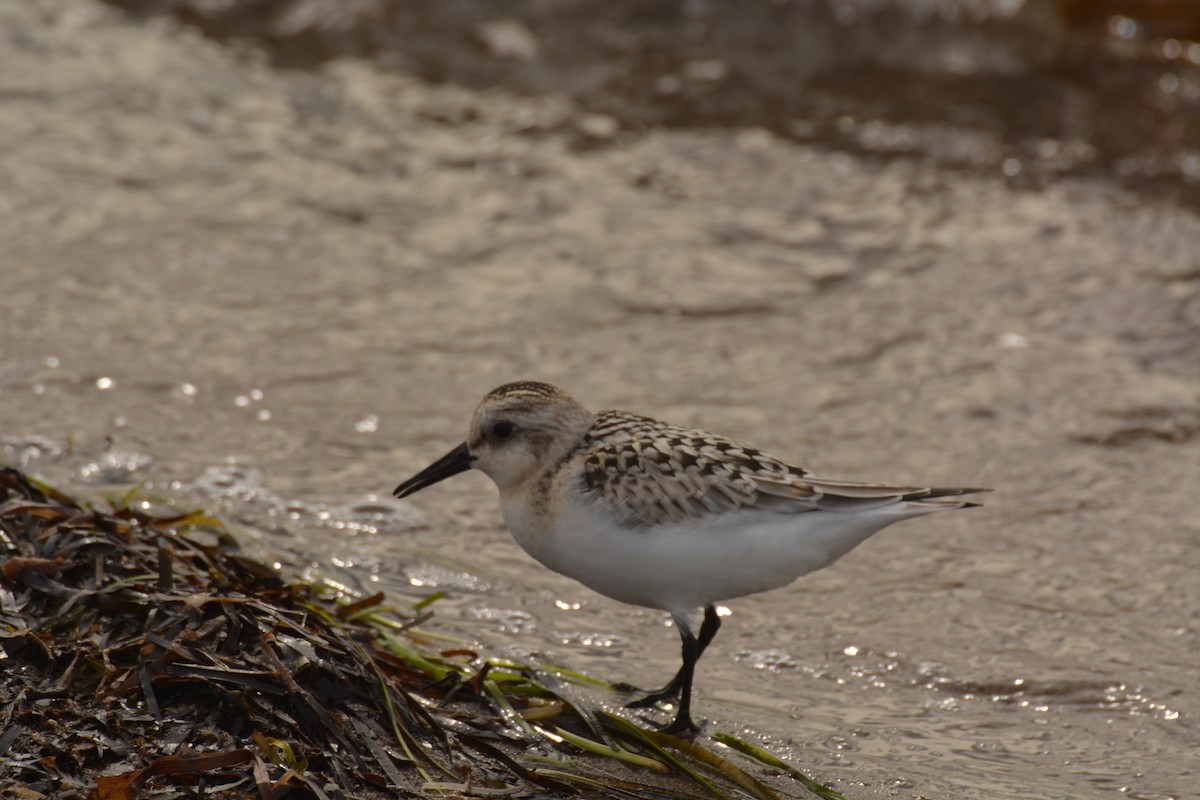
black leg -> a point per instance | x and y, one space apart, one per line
682 724
708 629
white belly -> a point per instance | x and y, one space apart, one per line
680 567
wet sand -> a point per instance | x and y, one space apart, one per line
315 275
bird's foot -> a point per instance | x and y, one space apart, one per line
669 693
627 688
652 699
682 726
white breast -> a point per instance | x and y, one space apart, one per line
682 566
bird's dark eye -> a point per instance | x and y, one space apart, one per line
503 430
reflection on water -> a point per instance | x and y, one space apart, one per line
21 451
504 620
1030 89
599 641
115 466
883 689
890 669
360 254
240 488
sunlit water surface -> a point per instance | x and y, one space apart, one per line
275 294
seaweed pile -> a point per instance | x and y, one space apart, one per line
142 654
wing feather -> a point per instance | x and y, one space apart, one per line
662 473
657 473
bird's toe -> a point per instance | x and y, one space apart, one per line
654 698
683 728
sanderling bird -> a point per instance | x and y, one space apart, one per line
662 516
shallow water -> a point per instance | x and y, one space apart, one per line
1032 90
280 293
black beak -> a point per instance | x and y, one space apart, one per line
456 461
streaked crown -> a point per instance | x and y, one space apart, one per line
522 429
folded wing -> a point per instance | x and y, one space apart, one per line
658 473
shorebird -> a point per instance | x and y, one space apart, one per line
662 516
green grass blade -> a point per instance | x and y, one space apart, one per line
624 727
610 752
763 757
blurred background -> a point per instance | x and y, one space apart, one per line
266 257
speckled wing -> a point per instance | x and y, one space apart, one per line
656 473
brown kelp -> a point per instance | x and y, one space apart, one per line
143 653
